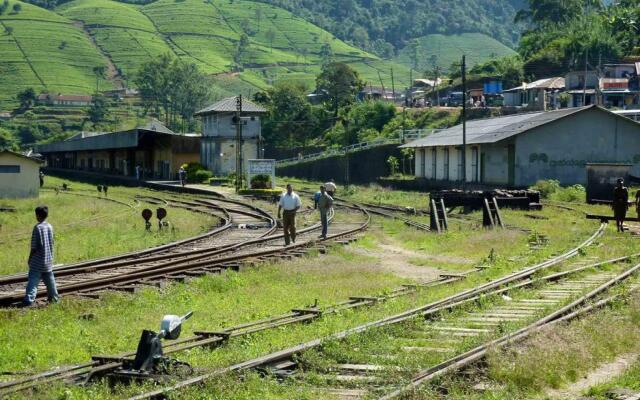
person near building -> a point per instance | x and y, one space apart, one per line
620 204
182 175
41 259
138 172
41 179
324 205
289 203
331 187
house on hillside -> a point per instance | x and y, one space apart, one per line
19 175
218 148
66 100
581 87
155 148
541 95
520 149
620 85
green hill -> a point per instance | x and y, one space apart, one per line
46 51
56 50
448 49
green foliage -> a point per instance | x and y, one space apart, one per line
382 26
393 164
202 175
261 192
27 98
340 84
509 69
7 140
546 187
261 181
173 86
361 122
99 108
192 168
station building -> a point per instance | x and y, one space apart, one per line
154 147
218 149
518 150
19 175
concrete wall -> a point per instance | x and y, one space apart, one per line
364 166
22 184
561 149
455 163
219 154
221 125
496 166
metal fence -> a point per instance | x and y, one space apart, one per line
399 137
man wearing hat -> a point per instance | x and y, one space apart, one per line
620 204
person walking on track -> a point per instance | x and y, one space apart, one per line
324 203
41 259
331 188
290 203
182 174
620 204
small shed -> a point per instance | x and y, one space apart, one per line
19 175
602 178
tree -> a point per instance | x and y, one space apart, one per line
414 50
99 72
326 54
340 83
8 29
99 108
243 44
27 98
542 13
173 88
7 140
292 120
258 14
17 8
271 36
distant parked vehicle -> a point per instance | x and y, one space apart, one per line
454 99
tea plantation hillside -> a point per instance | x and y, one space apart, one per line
447 49
46 51
56 51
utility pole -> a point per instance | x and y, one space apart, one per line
584 86
464 122
437 85
238 121
382 83
393 87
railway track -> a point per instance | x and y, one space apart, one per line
412 348
213 252
105 364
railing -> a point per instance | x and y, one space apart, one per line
400 137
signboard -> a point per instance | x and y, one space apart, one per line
614 84
262 167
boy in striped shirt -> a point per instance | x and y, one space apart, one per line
41 259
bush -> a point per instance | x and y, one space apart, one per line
192 168
547 188
261 182
202 175
265 193
571 193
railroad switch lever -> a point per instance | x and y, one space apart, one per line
149 356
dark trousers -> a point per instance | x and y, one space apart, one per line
324 220
289 226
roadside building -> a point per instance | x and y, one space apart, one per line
541 95
71 100
19 175
620 86
581 88
218 148
158 150
520 149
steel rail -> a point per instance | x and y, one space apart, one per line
184 263
457 362
404 316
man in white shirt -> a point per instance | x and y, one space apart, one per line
331 188
290 203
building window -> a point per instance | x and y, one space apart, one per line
460 170
9 169
423 162
434 153
474 164
445 171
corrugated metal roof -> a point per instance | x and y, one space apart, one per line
229 105
492 130
13 153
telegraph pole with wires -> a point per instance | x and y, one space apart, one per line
238 122
464 121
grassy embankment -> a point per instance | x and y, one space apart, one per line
88 226
232 298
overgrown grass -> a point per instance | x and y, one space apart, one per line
89 226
